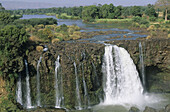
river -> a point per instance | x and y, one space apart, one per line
122 31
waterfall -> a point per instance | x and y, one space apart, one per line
142 67
86 96
58 85
95 73
28 97
121 82
77 89
38 82
19 91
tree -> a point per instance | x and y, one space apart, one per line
12 48
1 7
136 11
90 12
118 11
150 11
5 18
163 4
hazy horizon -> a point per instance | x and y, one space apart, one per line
32 4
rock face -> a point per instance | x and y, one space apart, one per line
156 61
88 58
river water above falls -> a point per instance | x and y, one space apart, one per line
118 88
121 30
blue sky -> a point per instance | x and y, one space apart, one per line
15 4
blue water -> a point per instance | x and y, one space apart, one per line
94 27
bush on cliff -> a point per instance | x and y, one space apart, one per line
12 41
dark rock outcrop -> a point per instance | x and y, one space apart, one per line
88 58
134 109
149 109
167 108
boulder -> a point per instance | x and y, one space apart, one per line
167 108
149 109
134 109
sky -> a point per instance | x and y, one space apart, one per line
23 4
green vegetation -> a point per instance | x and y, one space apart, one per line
1 7
65 16
5 18
36 21
164 5
53 33
12 41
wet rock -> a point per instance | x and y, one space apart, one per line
167 108
48 110
86 110
149 109
134 109
162 110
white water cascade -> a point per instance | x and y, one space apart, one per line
77 89
38 82
28 97
58 85
142 67
19 91
86 96
121 82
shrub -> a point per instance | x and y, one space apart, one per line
39 48
153 33
144 21
157 25
148 37
143 26
151 27
36 21
136 19
55 40
152 19
34 38
135 24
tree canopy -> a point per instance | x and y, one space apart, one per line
163 4
12 40
150 11
5 18
1 7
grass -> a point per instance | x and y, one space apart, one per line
65 16
112 20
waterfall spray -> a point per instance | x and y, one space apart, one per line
86 96
19 91
142 67
28 97
121 80
58 84
38 82
77 89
